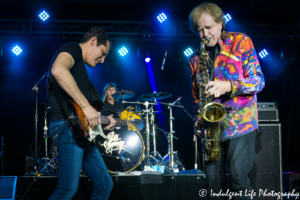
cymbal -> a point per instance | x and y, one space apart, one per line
159 95
42 106
123 94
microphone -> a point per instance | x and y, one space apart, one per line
175 101
164 60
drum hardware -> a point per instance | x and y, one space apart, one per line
176 163
131 114
146 111
36 149
153 131
124 160
116 157
171 164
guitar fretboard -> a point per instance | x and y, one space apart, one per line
119 122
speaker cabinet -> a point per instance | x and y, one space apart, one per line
8 187
266 174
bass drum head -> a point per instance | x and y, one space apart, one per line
122 151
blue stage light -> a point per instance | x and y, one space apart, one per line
123 51
44 16
188 52
161 17
147 59
227 18
263 53
17 50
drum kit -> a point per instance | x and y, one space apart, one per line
124 150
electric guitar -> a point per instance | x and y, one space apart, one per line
90 134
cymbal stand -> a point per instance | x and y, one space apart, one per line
153 132
36 149
146 104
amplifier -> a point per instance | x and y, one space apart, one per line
267 112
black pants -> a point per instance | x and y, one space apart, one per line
239 153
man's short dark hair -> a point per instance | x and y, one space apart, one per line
98 33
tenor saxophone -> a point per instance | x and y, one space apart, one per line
212 112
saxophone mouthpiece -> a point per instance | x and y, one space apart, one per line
206 40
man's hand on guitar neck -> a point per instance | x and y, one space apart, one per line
92 116
112 124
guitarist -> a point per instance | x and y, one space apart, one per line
68 79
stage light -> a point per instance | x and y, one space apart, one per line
147 59
123 51
227 18
44 16
161 17
188 52
17 50
263 53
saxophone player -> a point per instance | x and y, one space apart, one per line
235 78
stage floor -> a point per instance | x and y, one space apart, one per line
141 187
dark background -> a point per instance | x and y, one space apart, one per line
18 74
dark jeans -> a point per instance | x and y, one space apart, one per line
239 153
74 156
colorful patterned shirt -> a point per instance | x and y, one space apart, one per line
237 63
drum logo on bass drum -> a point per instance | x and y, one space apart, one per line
113 143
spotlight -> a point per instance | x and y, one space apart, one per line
147 59
263 53
123 51
17 50
44 16
188 52
161 17
227 18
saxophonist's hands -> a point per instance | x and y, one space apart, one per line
217 88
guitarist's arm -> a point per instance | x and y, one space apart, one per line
61 72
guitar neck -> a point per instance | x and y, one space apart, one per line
119 122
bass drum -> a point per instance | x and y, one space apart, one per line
123 149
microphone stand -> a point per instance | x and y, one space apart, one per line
179 60
36 149
171 152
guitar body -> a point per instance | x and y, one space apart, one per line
122 149
90 134
82 122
